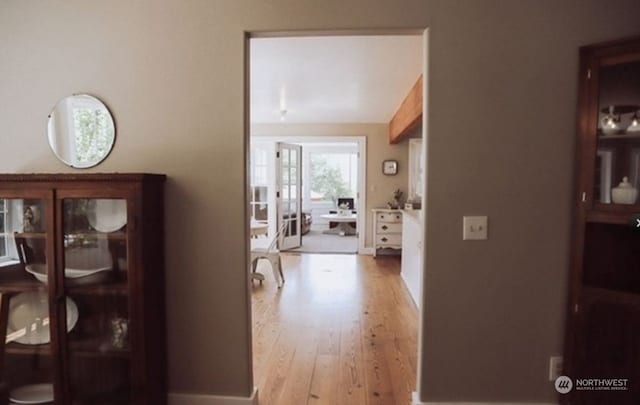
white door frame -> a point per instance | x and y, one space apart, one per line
361 141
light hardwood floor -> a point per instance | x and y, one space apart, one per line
342 331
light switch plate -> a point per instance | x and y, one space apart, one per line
555 367
475 228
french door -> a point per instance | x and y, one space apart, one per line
289 194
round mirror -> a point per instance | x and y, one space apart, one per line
81 131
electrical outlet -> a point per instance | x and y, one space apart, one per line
474 228
555 367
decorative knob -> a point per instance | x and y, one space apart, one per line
384 227
384 239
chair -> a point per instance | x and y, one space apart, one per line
30 250
270 253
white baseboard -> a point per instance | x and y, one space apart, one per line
197 399
366 251
416 401
484 403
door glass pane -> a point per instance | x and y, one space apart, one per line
294 157
618 150
96 274
25 298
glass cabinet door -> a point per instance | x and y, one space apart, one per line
617 161
27 357
96 282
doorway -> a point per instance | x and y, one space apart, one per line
279 297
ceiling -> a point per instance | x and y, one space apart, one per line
346 79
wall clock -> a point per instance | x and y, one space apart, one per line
390 167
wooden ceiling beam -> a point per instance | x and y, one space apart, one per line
408 116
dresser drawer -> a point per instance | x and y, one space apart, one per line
389 217
394 239
389 227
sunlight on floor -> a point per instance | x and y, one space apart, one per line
342 330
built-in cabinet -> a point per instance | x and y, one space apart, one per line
412 266
387 229
82 289
603 318
416 170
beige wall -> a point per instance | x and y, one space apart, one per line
172 72
502 124
379 187
503 102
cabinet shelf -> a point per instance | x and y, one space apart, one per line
14 279
617 137
621 208
115 288
31 235
613 217
609 295
17 348
118 235
96 347
86 348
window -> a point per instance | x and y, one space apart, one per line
333 176
3 230
93 134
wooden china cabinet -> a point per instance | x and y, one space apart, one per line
603 322
82 289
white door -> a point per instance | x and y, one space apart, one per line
289 196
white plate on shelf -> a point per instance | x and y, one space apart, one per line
32 394
107 215
80 262
39 271
29 318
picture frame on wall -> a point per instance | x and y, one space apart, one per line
390 167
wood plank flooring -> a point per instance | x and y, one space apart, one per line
342 331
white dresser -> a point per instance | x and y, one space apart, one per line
387 229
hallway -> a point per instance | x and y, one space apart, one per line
343 330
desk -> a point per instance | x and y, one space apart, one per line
258 229
343 221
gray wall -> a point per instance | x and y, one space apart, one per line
503 91
172 73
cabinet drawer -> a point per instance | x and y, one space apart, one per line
389 227
389 239
389 217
